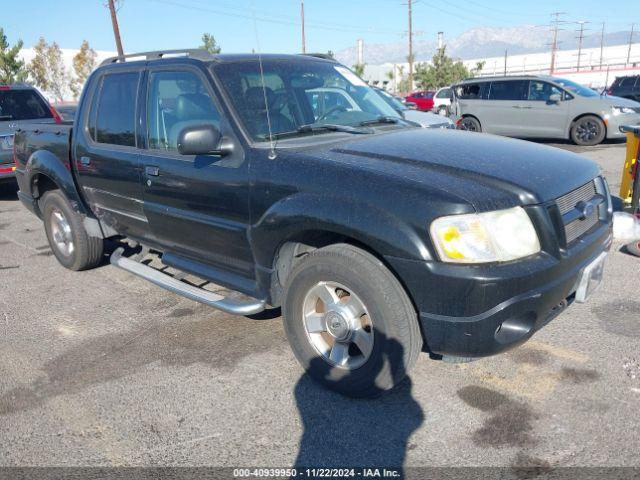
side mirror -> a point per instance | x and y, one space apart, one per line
202 139
555 98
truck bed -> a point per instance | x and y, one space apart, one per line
51 137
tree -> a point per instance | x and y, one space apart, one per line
12 69
38 66
47 69
83 64
358 68
441 72
209 44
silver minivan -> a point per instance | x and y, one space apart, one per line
536 106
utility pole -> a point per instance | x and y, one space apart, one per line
116 29
304 46
411 46
580 39
601 45
630 43
554 46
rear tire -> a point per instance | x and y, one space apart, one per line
68 239
387 331
588 131
470 124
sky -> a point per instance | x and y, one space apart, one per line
274 25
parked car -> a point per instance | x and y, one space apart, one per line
377 238
19 104
541 107
442 101
66 110
422 99
626 87
424 119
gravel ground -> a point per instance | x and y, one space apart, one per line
102 368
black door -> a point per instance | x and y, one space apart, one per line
197 206
106 156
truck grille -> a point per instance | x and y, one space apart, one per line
574 229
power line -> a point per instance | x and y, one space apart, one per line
554 45
580 38
630 42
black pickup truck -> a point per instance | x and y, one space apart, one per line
287 180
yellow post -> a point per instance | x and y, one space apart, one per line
630 163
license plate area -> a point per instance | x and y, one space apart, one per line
590 278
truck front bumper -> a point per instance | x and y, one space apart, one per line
476 311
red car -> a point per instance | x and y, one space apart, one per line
423 99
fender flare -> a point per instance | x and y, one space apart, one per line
378 229
46 163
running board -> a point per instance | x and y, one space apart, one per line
234 307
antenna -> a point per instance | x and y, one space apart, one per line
272 144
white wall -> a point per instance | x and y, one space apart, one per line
590 73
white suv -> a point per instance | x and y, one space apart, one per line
442 101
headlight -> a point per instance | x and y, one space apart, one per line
497 236
622 110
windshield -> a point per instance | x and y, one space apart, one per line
392 101
298 94
576 88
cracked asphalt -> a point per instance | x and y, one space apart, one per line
101 368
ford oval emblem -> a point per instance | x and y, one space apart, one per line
585 209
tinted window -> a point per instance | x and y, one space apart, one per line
471 91
22 105
541 91
115 110
446 93
626 82
508 90
177 100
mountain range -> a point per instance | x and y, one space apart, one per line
482 42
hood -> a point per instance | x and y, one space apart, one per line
618 101
426 119
486 170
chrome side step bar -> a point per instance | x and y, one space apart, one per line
234 307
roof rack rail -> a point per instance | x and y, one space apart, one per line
197 53
324 56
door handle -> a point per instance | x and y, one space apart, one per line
85 161
516 106
152 171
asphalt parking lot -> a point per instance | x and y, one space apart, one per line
102 368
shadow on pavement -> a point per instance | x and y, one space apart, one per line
9 190
346 432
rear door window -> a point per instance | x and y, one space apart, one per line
509 90
22 105
113 120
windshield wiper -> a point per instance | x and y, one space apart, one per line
331 127
380 119
321 127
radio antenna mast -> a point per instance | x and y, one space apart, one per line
272 143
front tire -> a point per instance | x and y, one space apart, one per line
68 239
470 124
588 131
350 322
634 248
